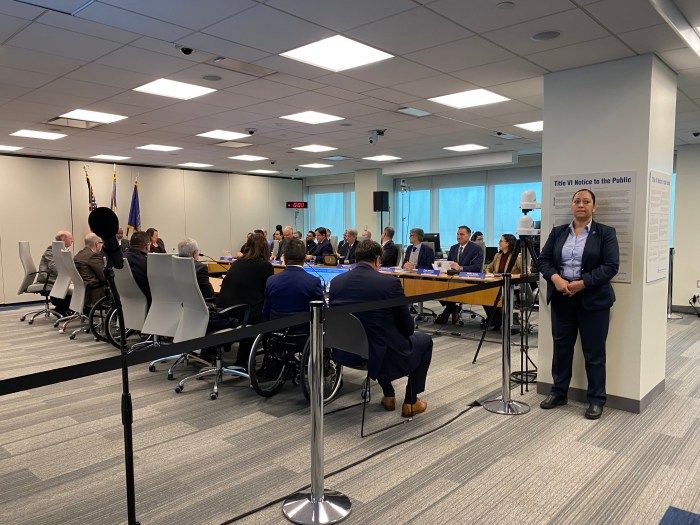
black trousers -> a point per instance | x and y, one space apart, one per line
569 320
422 353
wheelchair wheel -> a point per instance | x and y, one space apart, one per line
112 330
97 319
332 375
267 365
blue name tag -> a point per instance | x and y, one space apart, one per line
425 271
473 275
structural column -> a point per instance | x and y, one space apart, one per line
605 124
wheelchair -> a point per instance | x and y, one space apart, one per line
283 355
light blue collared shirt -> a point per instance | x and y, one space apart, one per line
572 253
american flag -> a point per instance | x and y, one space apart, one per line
92 203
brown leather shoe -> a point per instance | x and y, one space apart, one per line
442 318
455 316
389 403
418 407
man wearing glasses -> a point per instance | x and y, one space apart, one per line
90 265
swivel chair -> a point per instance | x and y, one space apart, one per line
469 311
134 306
64 259
62 285
29 284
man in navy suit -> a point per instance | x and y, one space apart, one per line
346 252
395 350
291 290
578 261
418 255
464 256
390 252
323 246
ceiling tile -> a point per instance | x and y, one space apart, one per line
521 88
434 86
221 47
20 10
340 93
680 59
264 89
691 10
39 37
615 14
65 6
28 79
391 72
461 54
390 95
583 54
9 25
102 74
142 61
28 60
652 39
500 72
130 21
86 27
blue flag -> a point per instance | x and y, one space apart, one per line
135 211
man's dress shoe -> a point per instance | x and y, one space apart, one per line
408 409
455 316
594 411
442 318
389 403
552 401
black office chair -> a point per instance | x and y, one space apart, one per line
468 311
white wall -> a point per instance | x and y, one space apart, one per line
686 272
42 196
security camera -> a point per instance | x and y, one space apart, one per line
273 162
696 133
185 50
499 133
374 135
296 169
251 131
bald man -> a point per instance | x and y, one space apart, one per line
90 265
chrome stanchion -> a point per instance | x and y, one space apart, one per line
669 313
321 505
505 405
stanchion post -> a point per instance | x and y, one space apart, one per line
669 295
320 506
505 405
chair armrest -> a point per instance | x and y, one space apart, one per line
246 312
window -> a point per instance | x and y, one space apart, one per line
506 209
332 206
459 206
412 211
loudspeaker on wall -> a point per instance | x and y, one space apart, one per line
381 200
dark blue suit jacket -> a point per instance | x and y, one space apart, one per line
600 262
343 250
388 329
323 248
472 259
290 291
426 257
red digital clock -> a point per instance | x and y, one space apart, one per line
297 204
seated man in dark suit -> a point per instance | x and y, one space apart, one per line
90 266
395 350
346 252
287 235
139 247
418 255
291 290
465 256
189 248
122 241
323 246
390 252
48 271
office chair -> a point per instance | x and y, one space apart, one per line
334 243
134 306
469 311
64 260
29 284
194 320
63 284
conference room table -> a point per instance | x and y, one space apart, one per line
413 283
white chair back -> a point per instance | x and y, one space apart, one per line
334 243
25 256
134 302
62 284
483 254
195 313
77 302
399 254
166 308
275 247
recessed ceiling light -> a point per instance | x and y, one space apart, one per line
469 99
414 112
315 148
174 89
316 165
10 148
381 158
37 134
158 147
195 165
531 126
466 147
109 157
543 36
93 116
264 172
337 158
211 78
223 134
249 158
336 53
312 117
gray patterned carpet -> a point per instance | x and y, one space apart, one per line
204 462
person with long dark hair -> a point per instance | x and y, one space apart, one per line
578 261
500 263
157 244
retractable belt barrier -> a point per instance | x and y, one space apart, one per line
68 373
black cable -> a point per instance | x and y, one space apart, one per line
353 464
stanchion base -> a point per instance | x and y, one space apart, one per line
334 507
674 316
508 408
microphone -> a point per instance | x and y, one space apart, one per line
323 281
105 223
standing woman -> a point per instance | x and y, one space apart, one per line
157 244
578 261
506 251
245 284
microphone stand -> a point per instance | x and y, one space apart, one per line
127 411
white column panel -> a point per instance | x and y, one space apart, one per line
208 212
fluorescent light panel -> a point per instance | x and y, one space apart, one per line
37 134
195 165
316 165
223 135
109 157
158 147
312 117
93 116
174 89
531 126
263 172
414 112
381 158
469 99
336 53
10 148
315 148
466 147
248 158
